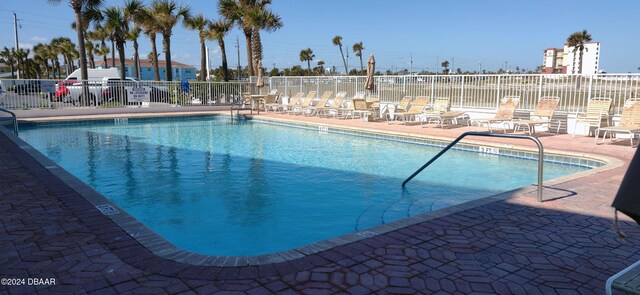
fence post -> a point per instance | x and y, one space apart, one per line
590 87
433 86
540 86
462 92
498 94
317 85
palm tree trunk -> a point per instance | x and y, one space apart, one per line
66 64
166 47
580 61
344 61
203 60
104 56
247 36
309 65
59 69
120 45
154 60
225 69
136 58
361 66
83 53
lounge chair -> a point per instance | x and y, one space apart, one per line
361 108
401 107
297 109
333 108
504 115
321 104
597 110
271 100
542 115
347 111
440 113
417 107
629 122
293 101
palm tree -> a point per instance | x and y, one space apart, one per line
8 57
150 28
307 55
99 33
259 17
115 22
321 67
166 13
41 54
78 7
134 11
235 11
337 41
216 31
445 65
577 41
357 49
200 23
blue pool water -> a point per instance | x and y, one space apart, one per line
251 188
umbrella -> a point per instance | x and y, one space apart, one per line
260 81
627 200
371 68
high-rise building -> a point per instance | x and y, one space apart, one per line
566 60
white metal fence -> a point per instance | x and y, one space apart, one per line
479 91
465 91
52 94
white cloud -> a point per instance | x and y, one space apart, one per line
39 39
25 46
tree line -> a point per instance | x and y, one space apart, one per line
96 25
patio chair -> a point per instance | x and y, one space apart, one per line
629 122
347 111
546 108
271 100
320 105
293 101
504 115
360 108
597 110
401 107
417 107
297 109
440 113
333 108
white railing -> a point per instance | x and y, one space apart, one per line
465 91
52 94
478 91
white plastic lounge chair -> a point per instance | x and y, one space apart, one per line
597 111
504 115
440 113
322 103
546 108
629 122
297 109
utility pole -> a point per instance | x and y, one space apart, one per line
479 68
437 64
347 73
452 65
15 29
239 68
411 63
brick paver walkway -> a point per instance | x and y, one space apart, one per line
517 246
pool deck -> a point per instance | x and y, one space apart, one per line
565 245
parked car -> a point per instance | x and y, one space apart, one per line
111 89
32 86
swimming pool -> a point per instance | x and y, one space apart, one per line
214 186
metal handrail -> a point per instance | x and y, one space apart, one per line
488 134
14 120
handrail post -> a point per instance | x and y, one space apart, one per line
487 134
14 120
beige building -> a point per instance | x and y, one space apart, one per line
566 61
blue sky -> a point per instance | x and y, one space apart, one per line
466 33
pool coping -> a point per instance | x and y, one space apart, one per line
162 248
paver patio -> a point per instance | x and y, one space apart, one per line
516 246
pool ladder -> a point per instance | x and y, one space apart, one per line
488 134
14 120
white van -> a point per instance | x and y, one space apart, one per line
95 74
